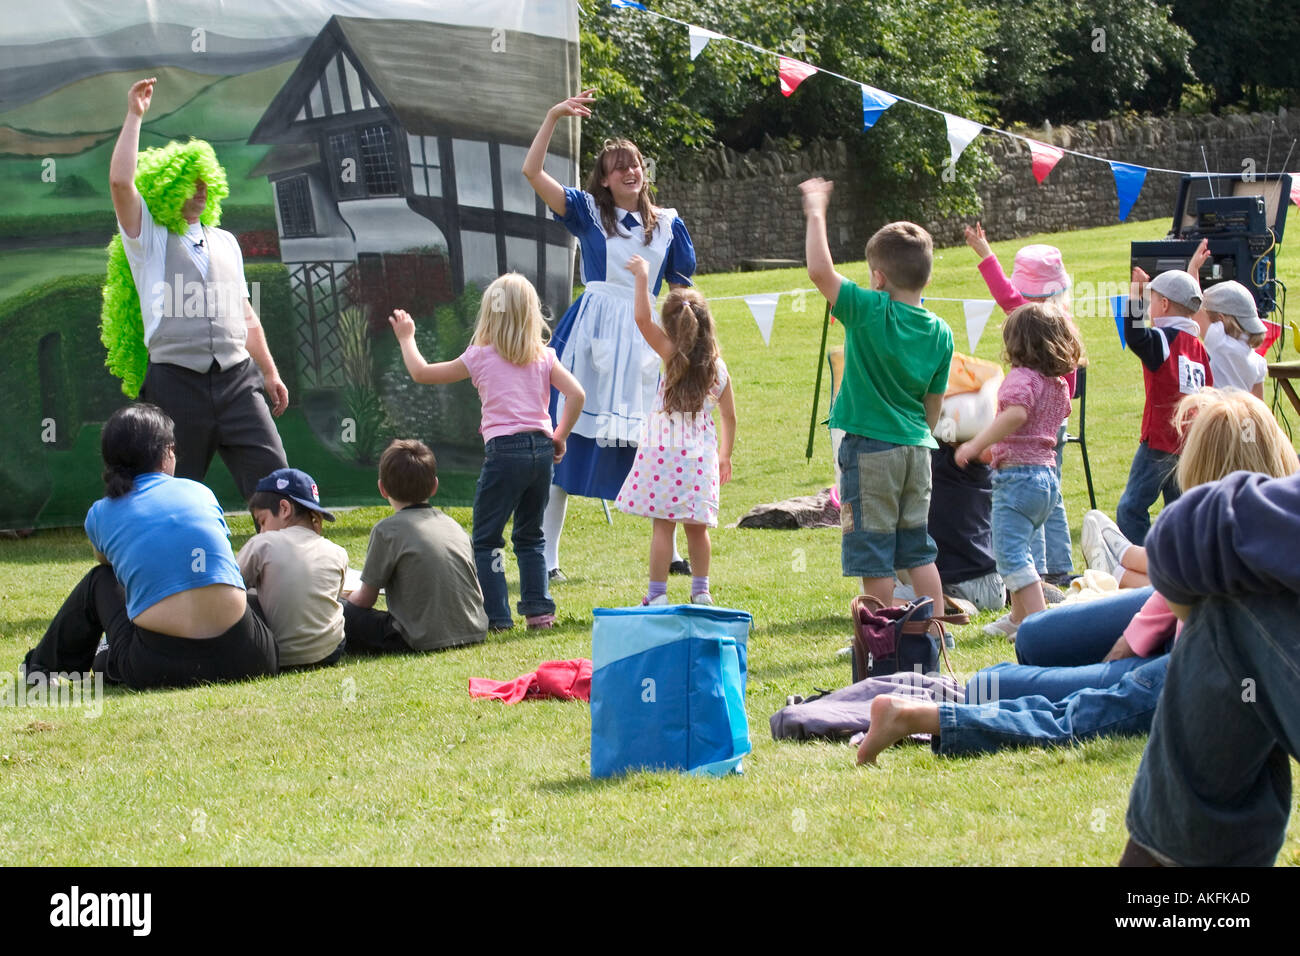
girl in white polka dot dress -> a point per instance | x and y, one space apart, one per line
682 458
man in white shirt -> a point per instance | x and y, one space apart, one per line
205 341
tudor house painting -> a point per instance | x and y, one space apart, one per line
396 149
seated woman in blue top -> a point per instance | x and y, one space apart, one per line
597 339
167 592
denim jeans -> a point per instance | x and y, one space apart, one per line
1071 635
515 480
1053 550
1023 497
1009 681
1152 474
1124 708
1214 786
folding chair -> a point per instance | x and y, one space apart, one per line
1081 389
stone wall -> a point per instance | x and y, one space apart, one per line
746 205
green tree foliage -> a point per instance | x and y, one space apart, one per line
1070 61
652 92
1244 49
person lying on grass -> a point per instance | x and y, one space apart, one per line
1119 696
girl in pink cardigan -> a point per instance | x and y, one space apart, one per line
1038 275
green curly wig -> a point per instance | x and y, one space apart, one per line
165 177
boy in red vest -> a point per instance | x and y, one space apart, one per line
1174 364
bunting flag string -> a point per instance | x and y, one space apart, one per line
977 316
1128 183
700 38
874 104
1129 177
960 133
792 73
1045 159
763 308
1119 305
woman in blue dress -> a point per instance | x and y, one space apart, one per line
597 339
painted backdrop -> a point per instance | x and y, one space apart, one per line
373 154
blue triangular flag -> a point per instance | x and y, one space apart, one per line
1128 183
874 102
1119 305
627 5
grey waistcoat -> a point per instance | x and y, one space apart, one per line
202 319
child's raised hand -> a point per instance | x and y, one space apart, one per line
638 267
574 105
816 194
1198 259
402 323
976 239
140 96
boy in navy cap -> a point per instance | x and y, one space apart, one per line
298 575
1174 364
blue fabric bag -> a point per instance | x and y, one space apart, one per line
668 689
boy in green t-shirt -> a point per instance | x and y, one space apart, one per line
896 357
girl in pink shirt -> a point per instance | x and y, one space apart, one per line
1042 345
513 370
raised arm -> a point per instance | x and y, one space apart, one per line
426 373
643 312
817 249
121 168
543 183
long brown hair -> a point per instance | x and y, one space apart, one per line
613 155
693 369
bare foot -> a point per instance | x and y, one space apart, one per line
892 719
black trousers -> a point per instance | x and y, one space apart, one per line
140 658
367 631
217 411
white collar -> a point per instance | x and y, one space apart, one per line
1182 323
194 231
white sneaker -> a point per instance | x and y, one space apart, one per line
1116 544
1096 554
660 601
702 598
1003 627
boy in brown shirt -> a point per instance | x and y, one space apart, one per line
424 562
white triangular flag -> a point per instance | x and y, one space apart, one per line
960 133
700 38
764 309
977 316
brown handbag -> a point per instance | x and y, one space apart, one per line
887 640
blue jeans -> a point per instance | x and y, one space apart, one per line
1214 787
1152 474
1124 708
1023 497
515 480
1009 681
1053 550
1071 635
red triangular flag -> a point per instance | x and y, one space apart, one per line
794 72
1045 159
1295 188
1272 332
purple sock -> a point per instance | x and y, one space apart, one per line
699 585
657 588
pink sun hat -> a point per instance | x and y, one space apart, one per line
1039 272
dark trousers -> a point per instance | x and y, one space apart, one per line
1152 474
141 658
515 480
214 412
367 631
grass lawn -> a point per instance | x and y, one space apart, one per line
390 761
